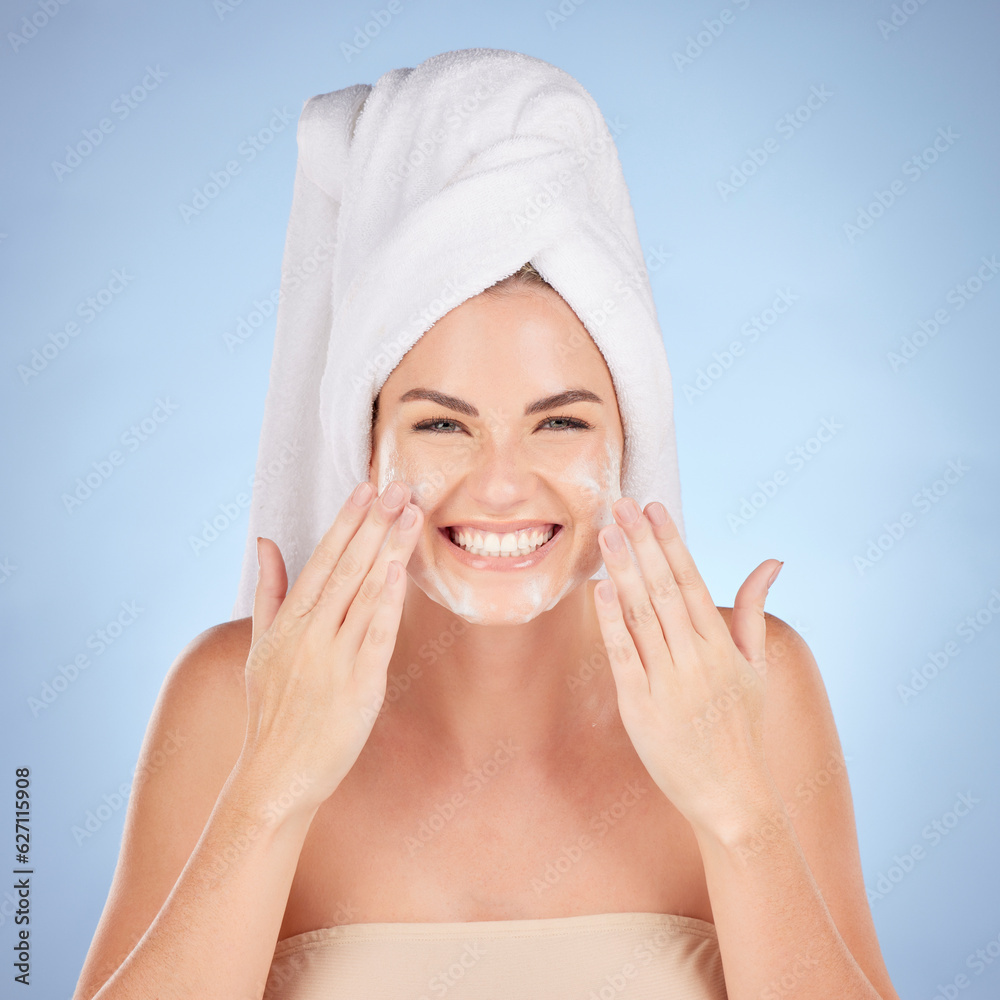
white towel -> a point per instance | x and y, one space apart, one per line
410 197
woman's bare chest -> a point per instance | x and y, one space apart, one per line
495 842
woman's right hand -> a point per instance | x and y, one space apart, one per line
316 672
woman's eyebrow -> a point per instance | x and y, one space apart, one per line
564 398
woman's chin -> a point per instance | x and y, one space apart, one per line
482 597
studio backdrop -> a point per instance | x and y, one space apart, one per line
815 189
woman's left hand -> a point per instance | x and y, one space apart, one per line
690 692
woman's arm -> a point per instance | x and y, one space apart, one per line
272 710
203 876
730 716
786 886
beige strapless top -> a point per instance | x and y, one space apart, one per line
624 956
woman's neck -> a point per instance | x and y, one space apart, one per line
461 689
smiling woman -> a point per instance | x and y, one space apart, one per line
491 460
578 788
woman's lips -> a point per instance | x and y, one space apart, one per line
500 563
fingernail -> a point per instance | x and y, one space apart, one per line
657 513
362 494
774 575
393 495
409 517
259 537
629 511
614 539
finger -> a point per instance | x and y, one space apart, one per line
631 680
663 589
272 583
352 539
356 564
350 634
748 624
701 609
372 661
636 609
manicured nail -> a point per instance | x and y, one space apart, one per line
393 495
408 517
657 513
362 494
259 537
774 575
628 511
614 539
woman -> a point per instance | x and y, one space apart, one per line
563 794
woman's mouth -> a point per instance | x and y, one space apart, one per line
484 549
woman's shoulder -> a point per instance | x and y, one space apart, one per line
193 739
220 648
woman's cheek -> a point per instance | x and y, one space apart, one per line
594 483
423 475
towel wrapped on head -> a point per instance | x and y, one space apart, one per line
412 195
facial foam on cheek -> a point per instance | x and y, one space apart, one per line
596 483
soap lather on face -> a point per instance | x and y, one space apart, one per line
498 354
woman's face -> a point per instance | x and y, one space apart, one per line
495 450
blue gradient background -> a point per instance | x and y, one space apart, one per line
66 574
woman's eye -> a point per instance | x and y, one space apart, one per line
568 424
568 421
431 425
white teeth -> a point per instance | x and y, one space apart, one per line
512 543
